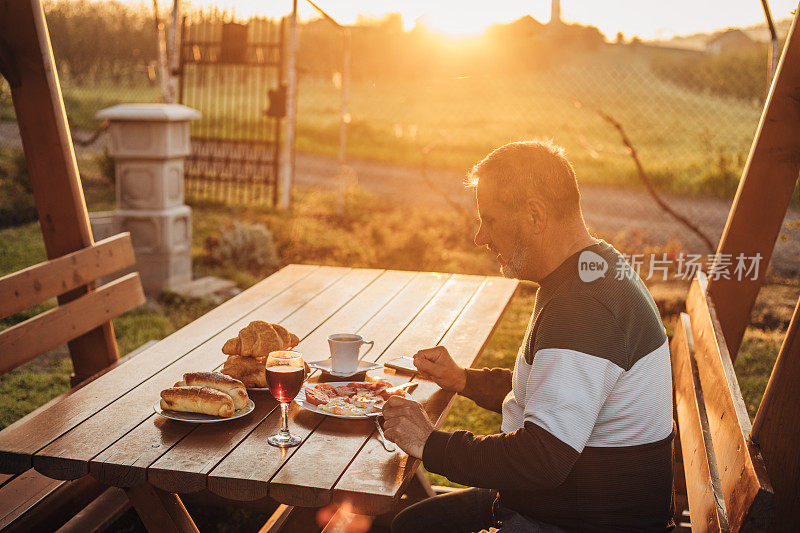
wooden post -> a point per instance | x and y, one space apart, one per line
776 429
27 63
344 119
285 176
163 60
763 196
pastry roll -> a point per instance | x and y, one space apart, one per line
214 380
196 399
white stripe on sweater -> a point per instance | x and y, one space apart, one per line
585 400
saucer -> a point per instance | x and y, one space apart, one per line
325 366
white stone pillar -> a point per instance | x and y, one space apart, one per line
149 143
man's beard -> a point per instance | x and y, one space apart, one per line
515 266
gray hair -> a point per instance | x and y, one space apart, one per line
519 170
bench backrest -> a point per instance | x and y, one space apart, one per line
21 290
726 481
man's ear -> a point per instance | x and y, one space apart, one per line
536 212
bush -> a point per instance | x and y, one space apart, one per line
245 246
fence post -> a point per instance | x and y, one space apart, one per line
149 143
285 176
344 120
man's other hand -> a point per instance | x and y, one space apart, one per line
437 365
406 424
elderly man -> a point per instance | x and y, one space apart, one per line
586 442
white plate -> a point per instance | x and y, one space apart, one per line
325 366
199 418
301 401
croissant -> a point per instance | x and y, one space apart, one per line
259 338
283 334
195 399
248 370
215 380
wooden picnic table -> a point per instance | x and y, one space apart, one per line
108 428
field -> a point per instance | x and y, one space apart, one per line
690 142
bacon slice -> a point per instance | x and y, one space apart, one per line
328 390
316 397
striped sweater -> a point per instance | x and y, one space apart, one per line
587 430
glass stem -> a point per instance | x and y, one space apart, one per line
284 418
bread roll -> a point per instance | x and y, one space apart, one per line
214 380
248 370
196 399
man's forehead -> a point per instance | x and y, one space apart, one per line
485 200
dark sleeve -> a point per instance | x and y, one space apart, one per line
527 459
488 387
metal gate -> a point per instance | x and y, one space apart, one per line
231 72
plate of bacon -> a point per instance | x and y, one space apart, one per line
347 399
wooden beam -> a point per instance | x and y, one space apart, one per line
53 277
776 429
160 511
749 497
99 514
51 160
25 341
767 184
277 519
702 479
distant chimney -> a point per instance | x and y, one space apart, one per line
555 12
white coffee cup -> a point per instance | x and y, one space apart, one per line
345 349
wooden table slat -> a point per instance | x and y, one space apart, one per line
27 435
353 316
366 483
235 478
68 456
184 467
308 480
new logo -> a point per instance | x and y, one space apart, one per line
591 266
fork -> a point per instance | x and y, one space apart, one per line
388 446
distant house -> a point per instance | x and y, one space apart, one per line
729 40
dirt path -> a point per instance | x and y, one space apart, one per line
609 210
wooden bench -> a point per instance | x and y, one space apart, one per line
725 479
30 501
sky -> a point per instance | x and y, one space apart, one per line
650 19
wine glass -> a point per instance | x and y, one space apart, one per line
285 374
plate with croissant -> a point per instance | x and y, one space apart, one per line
204 397
247 352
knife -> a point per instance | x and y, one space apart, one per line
408 387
